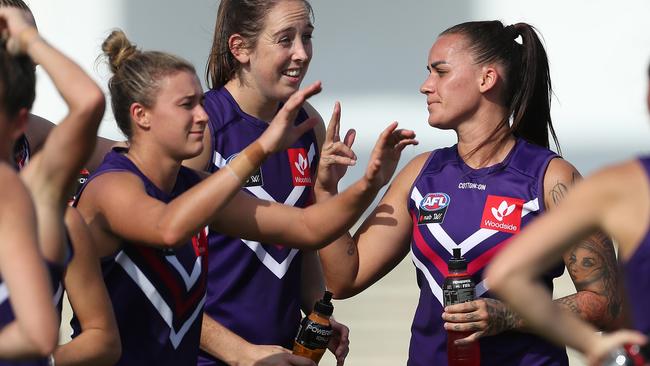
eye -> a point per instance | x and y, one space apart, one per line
307 37
285 41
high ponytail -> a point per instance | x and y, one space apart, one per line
136 75
527 92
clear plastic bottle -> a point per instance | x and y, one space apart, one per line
315 330
458 288
629 355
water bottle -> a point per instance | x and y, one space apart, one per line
629 355
315 330
458 288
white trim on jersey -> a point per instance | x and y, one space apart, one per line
279 269
188 279
4 293
156 300
466 245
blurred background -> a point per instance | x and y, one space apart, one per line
371 56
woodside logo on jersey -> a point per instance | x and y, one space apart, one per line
300 169
502 214
433 207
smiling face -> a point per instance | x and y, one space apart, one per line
280 58
452 87
177 117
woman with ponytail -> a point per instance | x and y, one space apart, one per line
150 215
491 85
260 54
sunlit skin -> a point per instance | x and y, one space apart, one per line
179 114
450 88
275 67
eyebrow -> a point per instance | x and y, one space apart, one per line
309 26
436 63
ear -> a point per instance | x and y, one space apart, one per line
140 116
19 124
488 79
237 46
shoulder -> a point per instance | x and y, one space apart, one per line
409 173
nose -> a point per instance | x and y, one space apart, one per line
428 85
200 115
301 51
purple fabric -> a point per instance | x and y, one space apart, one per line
637 277
477 210
163 327
256 294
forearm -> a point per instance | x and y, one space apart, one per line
221 342
16 344
312 282
202 204
91 347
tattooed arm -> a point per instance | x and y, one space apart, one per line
591 262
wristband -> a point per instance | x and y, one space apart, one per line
245 163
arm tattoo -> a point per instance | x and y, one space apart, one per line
594 271
500 317
352 247
558 192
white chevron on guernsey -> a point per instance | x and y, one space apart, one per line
466 245
473 240
188 279
4 293
157 301
279 269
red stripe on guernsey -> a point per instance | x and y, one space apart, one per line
440 264
482 260
183 305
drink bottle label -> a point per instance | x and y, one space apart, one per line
458 290
313 335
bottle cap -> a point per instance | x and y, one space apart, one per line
324 306
457 262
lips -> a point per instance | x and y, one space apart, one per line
292 73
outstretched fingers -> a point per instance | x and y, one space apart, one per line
290 109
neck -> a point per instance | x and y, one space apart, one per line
477 130
161 169
251 101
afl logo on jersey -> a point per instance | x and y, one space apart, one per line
255 179
433 208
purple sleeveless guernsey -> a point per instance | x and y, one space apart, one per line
637 277
254 288
476 210
157 295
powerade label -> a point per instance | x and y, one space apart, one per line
313 335
458 290
432 208
255 179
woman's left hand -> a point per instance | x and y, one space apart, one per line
483 317
339 344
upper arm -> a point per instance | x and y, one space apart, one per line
83 279
559 178
384 237
118 202
37 130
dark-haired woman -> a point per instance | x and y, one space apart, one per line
491 85
49 173
149 213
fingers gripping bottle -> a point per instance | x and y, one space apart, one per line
315 330
458 288
630 355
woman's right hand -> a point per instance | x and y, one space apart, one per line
282 131
15 23
336 155
608 343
